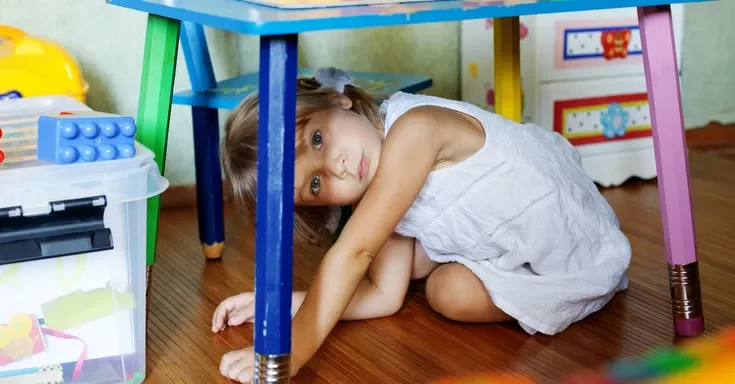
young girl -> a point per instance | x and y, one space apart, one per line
499 217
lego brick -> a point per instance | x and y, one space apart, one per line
85 137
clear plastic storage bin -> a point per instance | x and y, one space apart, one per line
72 270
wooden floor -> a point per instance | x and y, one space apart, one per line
416 345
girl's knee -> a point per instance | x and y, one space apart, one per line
454 292
446 292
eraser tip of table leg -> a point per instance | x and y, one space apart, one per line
689 327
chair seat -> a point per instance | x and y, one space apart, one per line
230 92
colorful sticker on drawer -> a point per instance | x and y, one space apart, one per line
603 119
582 45
594 44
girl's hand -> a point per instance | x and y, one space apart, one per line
234 311
239 365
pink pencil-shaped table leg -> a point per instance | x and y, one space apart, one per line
664 100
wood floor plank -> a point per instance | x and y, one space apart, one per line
417 345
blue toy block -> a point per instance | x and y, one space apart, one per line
85 137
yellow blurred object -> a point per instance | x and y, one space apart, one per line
473 69
32 66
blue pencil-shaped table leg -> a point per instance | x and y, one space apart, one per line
274 226
209 181
206 142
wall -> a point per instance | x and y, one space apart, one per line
709 63
108 43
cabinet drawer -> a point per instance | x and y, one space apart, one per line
589 44
598 116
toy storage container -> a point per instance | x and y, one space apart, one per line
72 268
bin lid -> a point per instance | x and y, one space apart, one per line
37 182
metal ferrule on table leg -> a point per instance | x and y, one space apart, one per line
272 368
686 294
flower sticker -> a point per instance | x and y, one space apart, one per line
614 121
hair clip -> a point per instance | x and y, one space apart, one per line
330 77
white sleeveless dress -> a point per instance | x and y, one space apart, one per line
524 217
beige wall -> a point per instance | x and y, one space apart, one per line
108 42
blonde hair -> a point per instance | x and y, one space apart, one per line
312 225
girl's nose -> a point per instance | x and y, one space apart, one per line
339 167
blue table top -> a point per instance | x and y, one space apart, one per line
247 18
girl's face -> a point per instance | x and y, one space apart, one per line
338 157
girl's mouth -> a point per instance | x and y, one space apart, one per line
362 169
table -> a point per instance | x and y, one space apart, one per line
278 31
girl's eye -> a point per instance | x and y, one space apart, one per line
315 184
316 139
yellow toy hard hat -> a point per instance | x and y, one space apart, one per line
32 66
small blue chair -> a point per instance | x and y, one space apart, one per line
207 96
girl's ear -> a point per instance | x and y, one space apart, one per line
345 102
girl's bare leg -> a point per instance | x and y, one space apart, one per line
422 264
455 292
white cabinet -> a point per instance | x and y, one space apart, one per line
582 75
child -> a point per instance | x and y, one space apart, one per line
499 216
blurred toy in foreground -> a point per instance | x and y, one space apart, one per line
703 360
33 66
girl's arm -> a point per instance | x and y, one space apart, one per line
409 153
383 289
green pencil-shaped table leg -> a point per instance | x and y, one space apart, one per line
154 105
